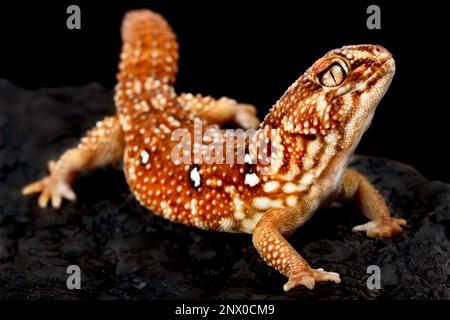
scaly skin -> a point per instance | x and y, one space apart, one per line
316 125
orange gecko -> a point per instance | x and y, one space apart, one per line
315 126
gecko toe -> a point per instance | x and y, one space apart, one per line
381 229
34 187
44 198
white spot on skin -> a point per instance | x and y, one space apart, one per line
247 159
195 177
271 186
193 207
132 173
290 188
332 138
251 179
145 156
137 87
263 203
291 201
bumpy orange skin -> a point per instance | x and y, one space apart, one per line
316 125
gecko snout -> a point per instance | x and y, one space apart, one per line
382 52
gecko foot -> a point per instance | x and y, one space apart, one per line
382 229
309 278
51 188
246 116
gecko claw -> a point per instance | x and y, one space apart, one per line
33 188
381 229
309 279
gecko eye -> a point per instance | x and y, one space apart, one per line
333 76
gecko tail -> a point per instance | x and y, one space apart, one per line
150 48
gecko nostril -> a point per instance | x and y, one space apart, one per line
379 50
382 53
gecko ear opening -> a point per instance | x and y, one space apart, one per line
309 136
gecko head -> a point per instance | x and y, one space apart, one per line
340 91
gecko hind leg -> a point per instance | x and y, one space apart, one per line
356 187
242 114
269 240
221 111
102 145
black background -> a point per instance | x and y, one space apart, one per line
252 51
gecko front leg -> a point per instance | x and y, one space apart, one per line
102 145
269 240
220 111
356 187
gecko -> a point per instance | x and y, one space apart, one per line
313 128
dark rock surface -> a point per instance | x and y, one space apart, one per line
125 252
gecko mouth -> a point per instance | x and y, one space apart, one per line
380 80
386 70
388 66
